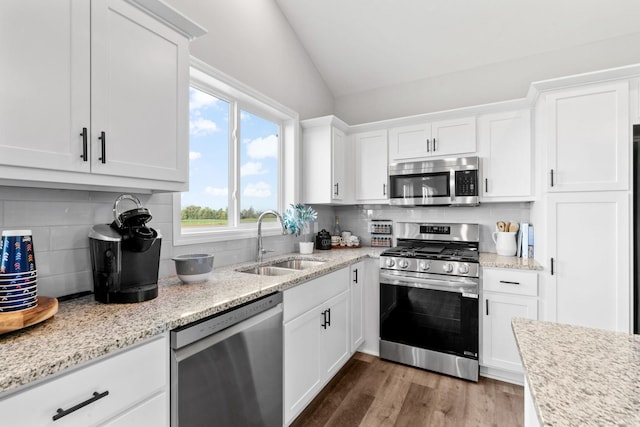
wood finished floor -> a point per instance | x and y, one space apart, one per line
371 392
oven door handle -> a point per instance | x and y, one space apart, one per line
466 288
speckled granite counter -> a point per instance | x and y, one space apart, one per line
580 376
84 329
488 259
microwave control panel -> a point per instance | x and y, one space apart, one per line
466 183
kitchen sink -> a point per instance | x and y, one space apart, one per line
268 271
281 268
297 264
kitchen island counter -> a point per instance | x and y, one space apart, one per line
580 376
84 329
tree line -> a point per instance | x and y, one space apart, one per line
198 212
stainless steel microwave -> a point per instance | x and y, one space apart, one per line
440 182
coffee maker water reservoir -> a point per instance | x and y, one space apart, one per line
125 256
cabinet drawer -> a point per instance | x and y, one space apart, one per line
130 377
304 297
510 281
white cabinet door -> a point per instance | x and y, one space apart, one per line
151 412
499 348
336 347
505 149
439 138
139 101
358 277
44 83
588 137
302 361
338 168
457 136
409 142
371 166
326 162
589 248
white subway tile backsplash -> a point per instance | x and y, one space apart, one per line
69 237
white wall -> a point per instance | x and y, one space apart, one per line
492 83
251 41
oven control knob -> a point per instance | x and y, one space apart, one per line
448 268
463 269
424 265
390 263
403 263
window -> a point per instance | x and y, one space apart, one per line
237 168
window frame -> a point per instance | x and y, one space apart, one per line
243 98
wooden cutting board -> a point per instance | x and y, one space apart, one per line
13 321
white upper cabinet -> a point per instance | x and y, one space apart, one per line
44 82
504 141
139 87
588 138
371 166
440 138
327 169
94 94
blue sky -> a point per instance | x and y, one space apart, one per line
209 153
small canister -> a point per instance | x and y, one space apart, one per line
323 240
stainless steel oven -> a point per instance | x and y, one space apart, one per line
429 314
452 182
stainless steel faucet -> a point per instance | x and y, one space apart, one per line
261 250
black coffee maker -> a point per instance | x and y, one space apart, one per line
125 256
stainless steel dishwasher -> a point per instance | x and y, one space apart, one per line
226 370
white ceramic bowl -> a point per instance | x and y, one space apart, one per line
194 268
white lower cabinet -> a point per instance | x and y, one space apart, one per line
506 294
316 337
357 305
129 388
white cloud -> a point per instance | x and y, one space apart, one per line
200 126
194 155
261 189
213 191
261 148
198 100
252 168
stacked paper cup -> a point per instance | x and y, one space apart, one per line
18 274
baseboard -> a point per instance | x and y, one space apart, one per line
502 375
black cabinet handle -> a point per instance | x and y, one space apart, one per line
324 319
384 189
84 154
328 317
552 177
486 185
355 280
337 188
552 266
64 412
509 283
434 145
486 304
103 139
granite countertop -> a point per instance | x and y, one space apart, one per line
488 259
84 329
580 376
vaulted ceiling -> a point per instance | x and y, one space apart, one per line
361 45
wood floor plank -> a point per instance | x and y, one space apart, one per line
371 392
384 410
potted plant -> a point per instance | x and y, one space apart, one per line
297 218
